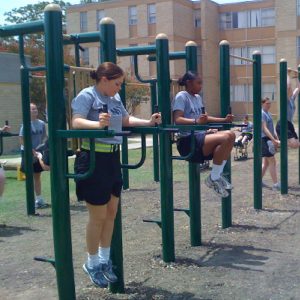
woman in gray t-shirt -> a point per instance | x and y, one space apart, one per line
102 190
188 109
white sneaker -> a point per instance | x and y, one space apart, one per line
227 185
217 186
276 187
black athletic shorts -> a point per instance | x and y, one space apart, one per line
105 181
265 148
184 148
37 168
248 135
291 130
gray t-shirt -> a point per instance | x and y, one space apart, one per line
89 101
190 105
266 117
291 108
249 127
38 133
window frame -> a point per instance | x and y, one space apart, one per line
132 18
151 16
83 23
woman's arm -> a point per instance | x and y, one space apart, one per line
129 121
79 122
179 119
268 133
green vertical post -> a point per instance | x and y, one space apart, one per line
108 53
225 103
27 140
257 163
125 172
77 55
299 126
58 148
155 146
283 128
194 169
166 172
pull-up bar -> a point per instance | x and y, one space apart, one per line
138 50
81 38
172 56
242 58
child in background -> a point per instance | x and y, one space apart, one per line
247 133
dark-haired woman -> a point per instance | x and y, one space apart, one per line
102 190
187 110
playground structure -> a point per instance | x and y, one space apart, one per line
58 136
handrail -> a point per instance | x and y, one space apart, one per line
23 28
136 71
172 56
82 38
92 165
138 50
143 155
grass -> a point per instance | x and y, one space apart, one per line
13 204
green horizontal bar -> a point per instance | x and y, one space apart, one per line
8 134
189 127
138 50
145 130
84 133
23 28
81 38
172 56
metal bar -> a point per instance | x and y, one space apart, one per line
155 141
257 163
194 170
283 128
225 103
21 29
108 53
166 179
138 50
192 151
136 71
77 54
125 171
85 133
82 38
58 153
143 155
242 58
172 56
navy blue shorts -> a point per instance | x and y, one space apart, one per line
105 181
291 130
184 148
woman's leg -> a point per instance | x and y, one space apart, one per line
265 165
37 183
2 181
272 169
220 144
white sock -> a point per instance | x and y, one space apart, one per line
223 164
92 260
104 254
216 171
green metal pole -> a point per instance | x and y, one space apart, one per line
283 128
77 55
257 163
108 53
194 170
166 172
58 149
155 146
125 171
27 140
225 103
299 125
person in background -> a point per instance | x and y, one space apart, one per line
38 137
247 133
5 128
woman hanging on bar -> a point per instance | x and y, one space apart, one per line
188 109
102 190
269 144
293 141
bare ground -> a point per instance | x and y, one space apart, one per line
257 258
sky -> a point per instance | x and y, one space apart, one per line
6 6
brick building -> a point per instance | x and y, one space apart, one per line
271 26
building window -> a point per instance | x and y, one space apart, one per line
151 14
85 57
83 21
100 14
254 18
298 7
225 20
132 15
268 17
268 90
241 93
197 18
239 19
268 55
242 52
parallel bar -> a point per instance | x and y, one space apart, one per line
166 180
225 103
82 38
138 50
283 128
172 56
257 162
21 29
242 58
108 53
58 153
